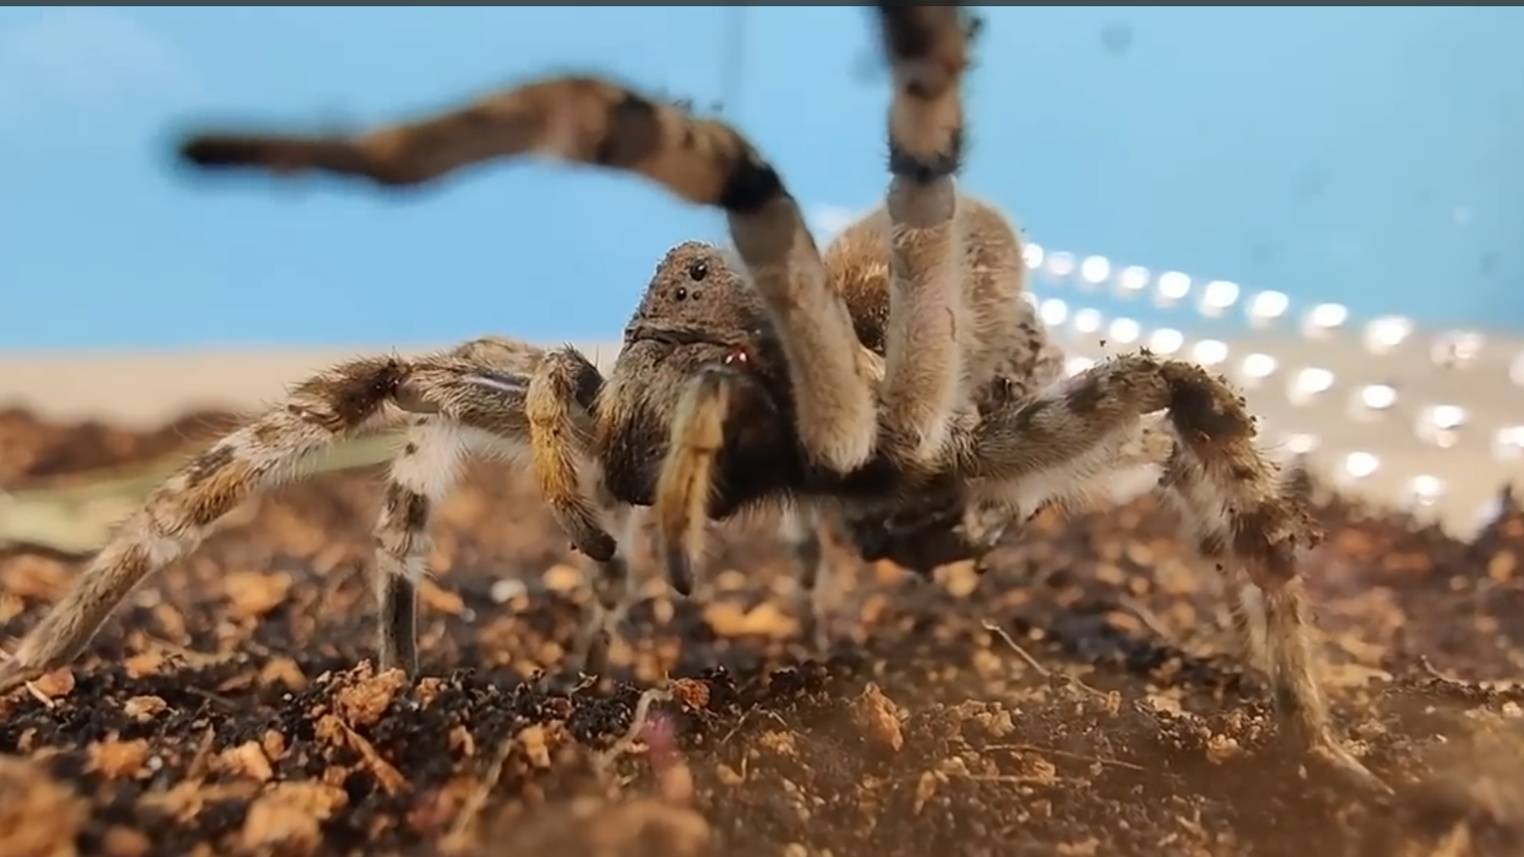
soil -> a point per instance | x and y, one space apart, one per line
229 708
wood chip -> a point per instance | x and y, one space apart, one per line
54 685
144 665
439 599
117 760
247 760
122 841
282 671
38 817
562 578
729 619
428 690
34 577
253 594
536 748
274 745
363 702
184 801
288 817
692 693
879 718
144 708
334 730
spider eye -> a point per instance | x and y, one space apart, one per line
698 270
681 293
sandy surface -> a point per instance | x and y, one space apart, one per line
148 389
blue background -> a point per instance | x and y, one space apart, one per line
1370 156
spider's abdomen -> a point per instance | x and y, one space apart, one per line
1003 342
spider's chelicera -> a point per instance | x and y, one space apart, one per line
896 386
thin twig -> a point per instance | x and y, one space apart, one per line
1428 667
209 696
1041 670
1149 618
37 694
1033 748
637 723
1016 647
478 798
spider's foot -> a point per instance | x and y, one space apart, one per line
592 658
1330 752
814 627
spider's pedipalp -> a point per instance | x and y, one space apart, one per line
687 475
597 122
560 396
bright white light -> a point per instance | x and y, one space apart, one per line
1440 425
1386 333
1508 443
1308 384
1173 286
1165 341
1075 365
1378 397
1032 254
1061 264
1124 331
1424 490
1209 352
1095 269
1087 320
1324 319
1134 280
1457 348
1257 367
1447 416
1361 464
1266 308
1301 443
1217 296
1054 312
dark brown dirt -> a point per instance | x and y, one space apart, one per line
222 711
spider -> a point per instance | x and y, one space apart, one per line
897 385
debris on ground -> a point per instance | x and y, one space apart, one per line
1083 696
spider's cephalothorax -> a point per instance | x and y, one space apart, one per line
897 384
699 314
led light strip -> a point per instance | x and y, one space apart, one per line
1449 348
1438 424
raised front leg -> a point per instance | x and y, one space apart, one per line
923 380
593 121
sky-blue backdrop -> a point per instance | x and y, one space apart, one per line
1368 156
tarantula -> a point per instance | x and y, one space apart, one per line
898 381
